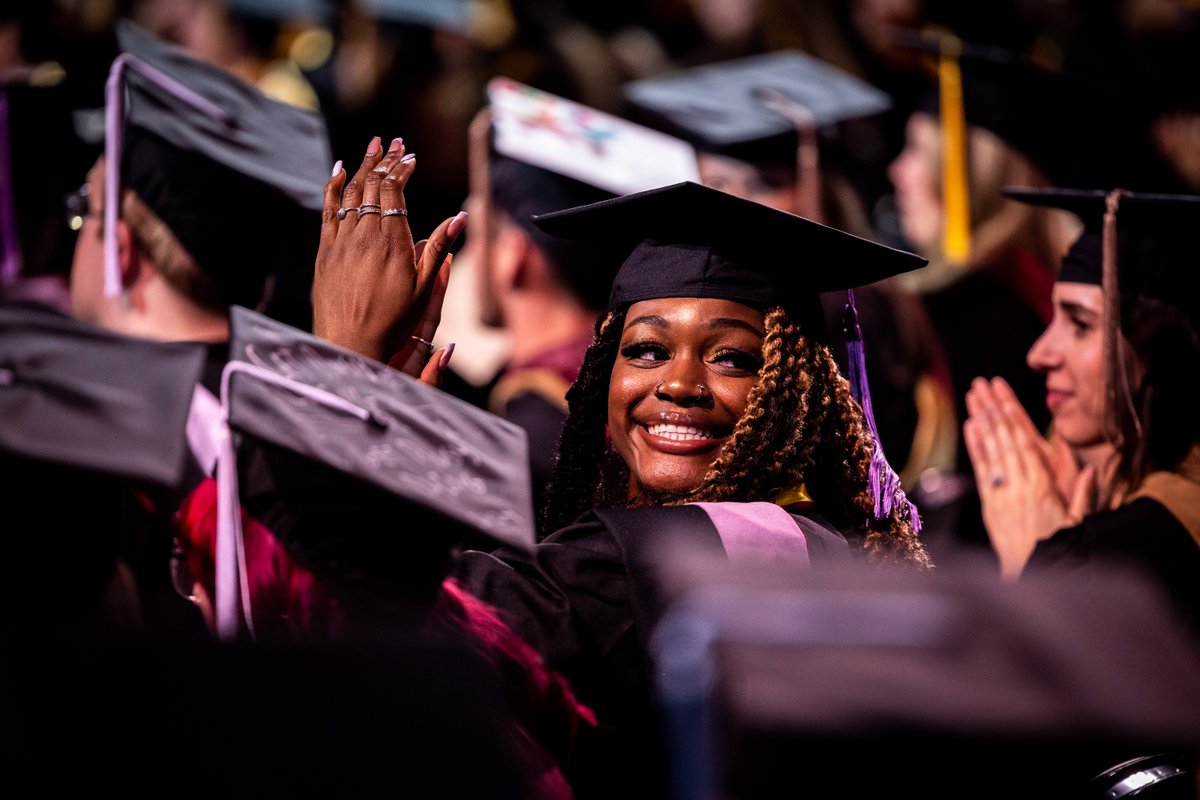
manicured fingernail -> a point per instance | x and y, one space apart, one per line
408 157
336 168
444 361
457 224
373 147
395 145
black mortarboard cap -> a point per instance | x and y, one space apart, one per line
453 472
688 240
204 150
284 10
954 684
1157 250
727 107
76 396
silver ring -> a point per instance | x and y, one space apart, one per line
342 212
395 212
658 389
998 479
425 342
362 212
368 207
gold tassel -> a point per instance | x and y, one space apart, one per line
956 237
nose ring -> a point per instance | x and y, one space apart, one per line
699 386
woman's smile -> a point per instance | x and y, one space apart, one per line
678 387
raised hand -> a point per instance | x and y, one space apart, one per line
1018 476
374 290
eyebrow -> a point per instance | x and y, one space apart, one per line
1072 307
716 322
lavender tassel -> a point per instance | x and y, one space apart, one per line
883 482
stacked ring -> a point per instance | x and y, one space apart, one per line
395 212
368 208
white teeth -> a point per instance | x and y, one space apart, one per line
679 433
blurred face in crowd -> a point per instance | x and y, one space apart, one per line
769 186
916 175
679 385
87 267
1070 353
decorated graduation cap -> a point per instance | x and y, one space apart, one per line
550 153
447 468
751 108
203 149
688 240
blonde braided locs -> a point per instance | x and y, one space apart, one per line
802 425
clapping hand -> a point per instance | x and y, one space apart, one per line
1027 490
375 291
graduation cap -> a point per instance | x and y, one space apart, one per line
452 15
93 436
688 240
1156 253
205 150
750 108
76 396
551 153
458 470
851 682
1062 122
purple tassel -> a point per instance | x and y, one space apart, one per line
883 483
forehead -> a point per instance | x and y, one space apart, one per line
693 311
1087 295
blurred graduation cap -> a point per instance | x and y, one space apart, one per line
203 150
550 153
76 396
452 15
688 240
751 108
93 434
856 682
1062 122
451 471
284 10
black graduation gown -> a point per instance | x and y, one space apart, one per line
1142 535
587 599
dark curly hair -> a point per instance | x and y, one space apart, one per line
801 425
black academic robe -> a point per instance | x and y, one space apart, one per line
1141 535
587 599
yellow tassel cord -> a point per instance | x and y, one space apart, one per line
795 497
956 239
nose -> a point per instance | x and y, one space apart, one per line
683 392
1044 355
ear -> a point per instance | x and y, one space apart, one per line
130 258
510 257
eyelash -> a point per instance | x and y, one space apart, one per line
1081 327
739 359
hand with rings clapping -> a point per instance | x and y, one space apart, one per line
1018 476
375 291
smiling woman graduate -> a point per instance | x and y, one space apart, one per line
709 411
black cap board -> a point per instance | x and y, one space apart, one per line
728 107
1157 251
203 149
457 463
73 395
688 240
